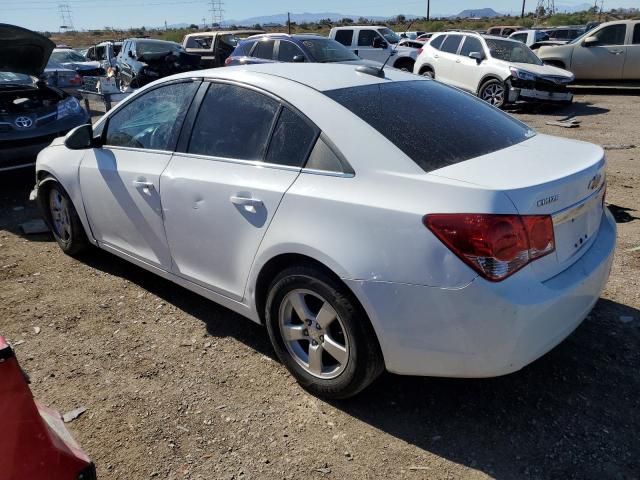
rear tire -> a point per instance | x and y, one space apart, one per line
63 219
333 351
428 73
494 92
405 64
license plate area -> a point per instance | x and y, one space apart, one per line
577 226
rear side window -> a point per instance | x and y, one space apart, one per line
433 124
451 44
636 34
264 49
437 42
292 140
521 37
345 37
233 122
244 48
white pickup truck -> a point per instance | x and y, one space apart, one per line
376 43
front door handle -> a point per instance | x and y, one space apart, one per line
249 204
458 61
145 186
615 52
436 56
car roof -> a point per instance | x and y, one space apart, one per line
223 32
295 36
318 76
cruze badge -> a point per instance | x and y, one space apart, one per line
546 201
23 122
595 181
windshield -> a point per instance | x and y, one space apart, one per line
389 35
579 38
10 77
325 50
67 56
145 48
433 124
512 51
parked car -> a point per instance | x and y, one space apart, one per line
35 443
281 47
215 47
143 60
609 52
405 42
105 53
375 43
359 226
564 34
529 37
72 60
504 31
32 114
63 78
425 37
410 35
499 70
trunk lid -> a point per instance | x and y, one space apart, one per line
23 51
546 175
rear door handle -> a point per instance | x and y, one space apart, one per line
615 52
436 56
458 61
249 204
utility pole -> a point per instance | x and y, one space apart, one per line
289 23
217 12
428 9
522 14
65 17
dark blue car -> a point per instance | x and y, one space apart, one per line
280 47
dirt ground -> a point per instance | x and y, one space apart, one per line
177 387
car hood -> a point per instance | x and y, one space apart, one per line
543 70
23 51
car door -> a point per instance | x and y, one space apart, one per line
604 60
125 67
262 52
446 58
365 48
219 195
631 70
120 181
466 72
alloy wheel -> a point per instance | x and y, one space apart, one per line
493 94
314 334
60 216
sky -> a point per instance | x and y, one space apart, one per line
89 14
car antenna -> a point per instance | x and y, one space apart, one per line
379 72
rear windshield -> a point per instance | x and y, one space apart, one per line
433 124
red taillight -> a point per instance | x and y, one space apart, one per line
496 246
420 50
228 61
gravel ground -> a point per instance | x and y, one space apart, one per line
177 387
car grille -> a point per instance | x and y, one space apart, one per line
27 142
542 84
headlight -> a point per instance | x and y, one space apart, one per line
68 106
523 74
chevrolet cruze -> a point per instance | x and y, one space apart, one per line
370 221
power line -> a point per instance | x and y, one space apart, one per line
217 12
65 17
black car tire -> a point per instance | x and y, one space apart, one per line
364 358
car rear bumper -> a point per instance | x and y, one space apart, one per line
485 329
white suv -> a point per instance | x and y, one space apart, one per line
498 70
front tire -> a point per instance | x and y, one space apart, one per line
320 333
494 92
63 219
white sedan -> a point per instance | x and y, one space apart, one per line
368 221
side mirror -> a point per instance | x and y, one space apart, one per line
477 56
590 41
356 51
131 55
80 138
379 43
298 59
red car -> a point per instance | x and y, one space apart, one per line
34 443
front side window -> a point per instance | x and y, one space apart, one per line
451 44
433 124
345 37
233 122
291 141
471 44
511 51
366 37
152 120
636 34
389 35
611 35
264 49
325 50
287 51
